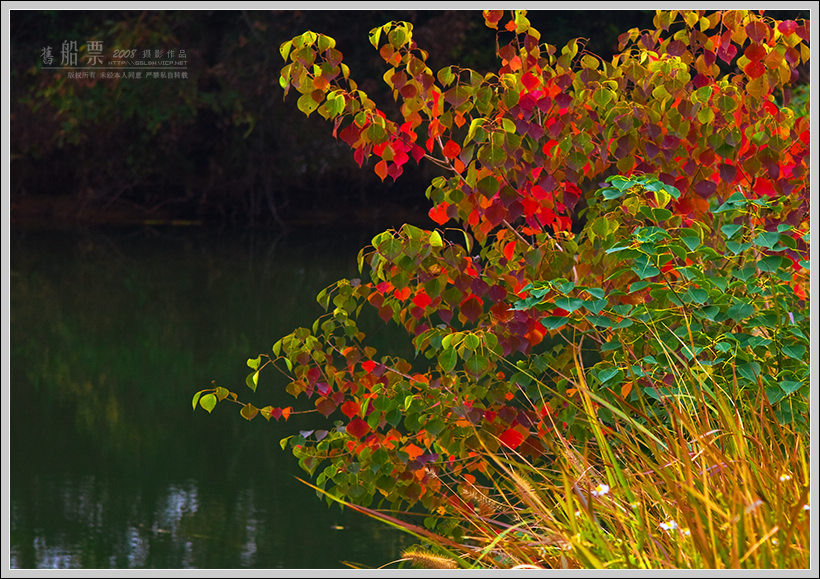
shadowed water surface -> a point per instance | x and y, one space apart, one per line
112 332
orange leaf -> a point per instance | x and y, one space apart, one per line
286 412
381 169
413 451
402 294
626 389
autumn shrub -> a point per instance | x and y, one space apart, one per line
624 280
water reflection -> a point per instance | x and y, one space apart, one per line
111 333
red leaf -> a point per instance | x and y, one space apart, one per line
325 406
451 149
757 31
368 366
395 171
313 375
350 408
727 53
358 156
350 134
754 69
357 427
490 415
422 300
491 18
472 307
755 52
787 27
509 250
276 413
530 81
511 438
439 213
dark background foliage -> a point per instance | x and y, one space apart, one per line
223 144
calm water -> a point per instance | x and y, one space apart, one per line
112 332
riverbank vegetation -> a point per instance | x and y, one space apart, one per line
610 323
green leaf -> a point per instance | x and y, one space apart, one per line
435 239
569 304
474 125
447 359
607 374
508 125
208 402
736 247
306 104
795 351
562 285
600 321
637 286
790 386
253 363
434 426
488 186
196 398
284 49
740 311
553 322
471 341
735 201
616 248
767 239
611 193
730 230
698 295
661 214
249 411
645 269
477 365
749 370
770 264
252 380
614 344
595 306
446 77
374 36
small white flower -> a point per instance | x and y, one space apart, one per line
600 490
806 507
686 532
785 477
669 525
775 542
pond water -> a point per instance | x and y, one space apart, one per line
112 332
